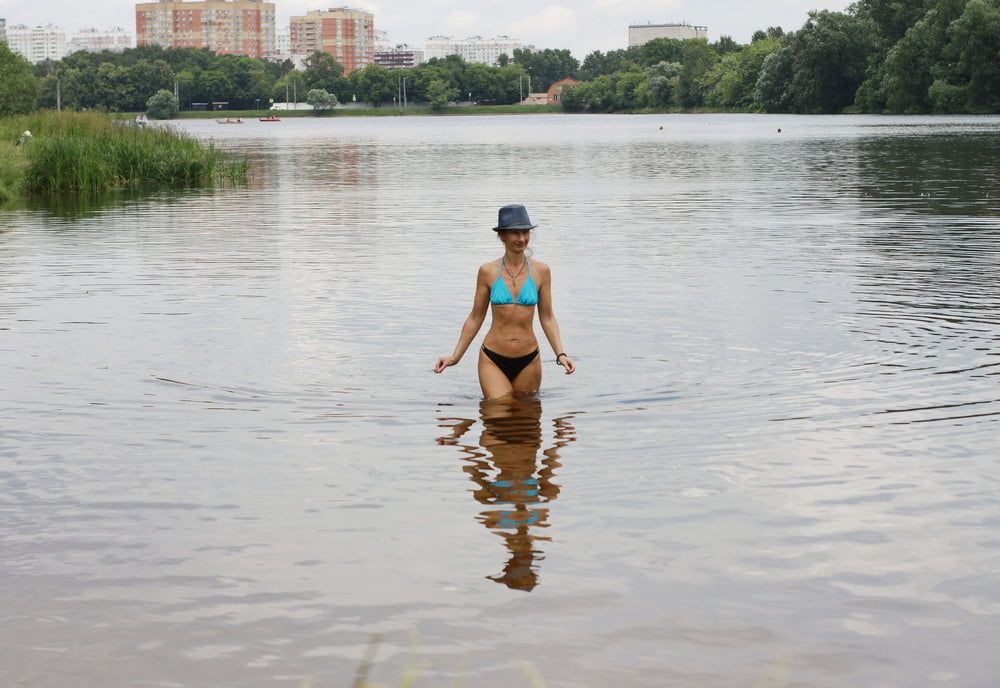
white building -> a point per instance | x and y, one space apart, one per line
282 44
3 30
115 39
37 43
643 33
472 49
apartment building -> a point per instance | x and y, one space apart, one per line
37 43
227 27
3 30
473 48
345 33
93 40
399 57
639 34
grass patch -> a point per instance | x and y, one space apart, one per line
88 153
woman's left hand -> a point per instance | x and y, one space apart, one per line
567 363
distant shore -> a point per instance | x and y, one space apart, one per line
384 111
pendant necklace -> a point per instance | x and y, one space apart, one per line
513 277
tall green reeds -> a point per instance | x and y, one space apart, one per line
88 153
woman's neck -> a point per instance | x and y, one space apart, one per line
514 259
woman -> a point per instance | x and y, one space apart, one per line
509 359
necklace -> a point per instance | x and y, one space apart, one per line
513 276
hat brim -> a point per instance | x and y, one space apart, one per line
518 228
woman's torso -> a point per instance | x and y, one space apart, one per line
511 332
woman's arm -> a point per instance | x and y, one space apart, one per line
473 322
547 317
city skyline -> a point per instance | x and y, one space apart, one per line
581 28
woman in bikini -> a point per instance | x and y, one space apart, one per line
509 360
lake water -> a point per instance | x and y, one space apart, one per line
225 461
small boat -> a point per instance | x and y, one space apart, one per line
269 118
230 120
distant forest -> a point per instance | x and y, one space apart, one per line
892 56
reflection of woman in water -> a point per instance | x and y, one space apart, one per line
509 360
510 475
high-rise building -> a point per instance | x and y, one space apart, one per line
345 33
115 39
643 33
399 57
473 48
282 44
37 43
3 30
227 27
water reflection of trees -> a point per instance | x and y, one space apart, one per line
510 470
937 174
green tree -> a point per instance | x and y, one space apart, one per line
771 33
321 99
661 80
546 66
323 71
439 93
832 50
697 61
599 64
290 87
162 105
771 92
749 62
19 92
891 19
141 80
374 84
974 51
726 45
901 83
660 50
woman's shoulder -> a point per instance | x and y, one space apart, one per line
489 270
540 267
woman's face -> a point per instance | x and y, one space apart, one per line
515 240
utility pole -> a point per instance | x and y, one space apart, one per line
58 94
520 93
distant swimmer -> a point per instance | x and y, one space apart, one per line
509 359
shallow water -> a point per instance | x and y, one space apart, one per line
225 461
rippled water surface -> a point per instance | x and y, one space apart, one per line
225 461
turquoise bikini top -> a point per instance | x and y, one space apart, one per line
527 296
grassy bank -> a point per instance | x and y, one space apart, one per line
384 111
88 153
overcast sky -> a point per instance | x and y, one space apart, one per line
582 25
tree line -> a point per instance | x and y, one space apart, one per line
917 56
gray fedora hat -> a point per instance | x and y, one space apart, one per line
514 216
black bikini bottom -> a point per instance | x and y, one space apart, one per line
511 367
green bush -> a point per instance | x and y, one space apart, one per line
162 105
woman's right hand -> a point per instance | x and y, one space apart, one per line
444 362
